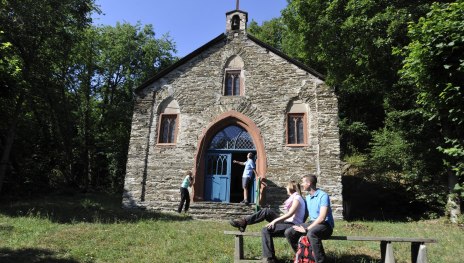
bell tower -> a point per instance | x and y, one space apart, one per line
236 20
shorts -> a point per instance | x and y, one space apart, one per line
245 182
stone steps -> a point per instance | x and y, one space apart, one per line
206 210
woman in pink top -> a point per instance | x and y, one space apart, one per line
294 214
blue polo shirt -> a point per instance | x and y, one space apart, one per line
249 167
314 202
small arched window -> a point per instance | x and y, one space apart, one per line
233 77
168 123
297 124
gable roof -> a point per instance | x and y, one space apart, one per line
213 42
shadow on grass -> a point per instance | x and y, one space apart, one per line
330 258
76 208
28 255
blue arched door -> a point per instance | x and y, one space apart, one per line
218 177
222 178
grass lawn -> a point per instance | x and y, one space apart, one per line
92 228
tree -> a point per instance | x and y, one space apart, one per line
351 42
434 63
271 32
39 33
110 63
67 94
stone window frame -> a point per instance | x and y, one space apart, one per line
241 86
160 128
305 129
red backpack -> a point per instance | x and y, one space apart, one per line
305 253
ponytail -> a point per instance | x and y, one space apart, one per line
294 187
298 187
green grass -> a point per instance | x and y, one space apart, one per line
92 228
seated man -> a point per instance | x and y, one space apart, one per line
295 212
321 222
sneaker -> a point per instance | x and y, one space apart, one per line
238 223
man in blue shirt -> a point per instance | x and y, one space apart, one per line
321 222
250 169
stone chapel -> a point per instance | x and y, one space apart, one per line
229 97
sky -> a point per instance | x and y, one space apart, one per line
189 23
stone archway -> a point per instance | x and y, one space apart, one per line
222 121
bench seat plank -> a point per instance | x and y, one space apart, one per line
351 238
418 249
386 239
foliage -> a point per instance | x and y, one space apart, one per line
9 65
109 63
352 43
41 36
67 94
434 62
271 32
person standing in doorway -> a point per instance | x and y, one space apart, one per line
184 193
250 169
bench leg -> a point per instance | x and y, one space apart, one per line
386 250
418 253
238 253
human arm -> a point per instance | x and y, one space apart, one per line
290 212
320 219
241 163
323 212
191 180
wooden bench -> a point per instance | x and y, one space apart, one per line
418 249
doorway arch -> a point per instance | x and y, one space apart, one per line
221 122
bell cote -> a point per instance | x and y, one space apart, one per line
236 21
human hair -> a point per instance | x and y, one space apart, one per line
251 155
189 173
293 187
312 179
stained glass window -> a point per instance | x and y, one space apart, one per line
232 137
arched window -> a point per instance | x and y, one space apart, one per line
232 83
168 123
297 124
232 138
233 77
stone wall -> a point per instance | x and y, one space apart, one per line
272 83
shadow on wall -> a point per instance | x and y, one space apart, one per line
31 255
274 195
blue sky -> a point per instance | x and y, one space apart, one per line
189 23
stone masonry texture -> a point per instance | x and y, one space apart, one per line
271 84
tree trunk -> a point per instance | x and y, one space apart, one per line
10 139
453 204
